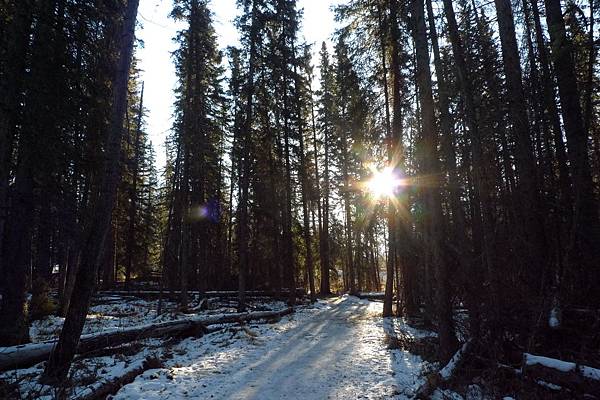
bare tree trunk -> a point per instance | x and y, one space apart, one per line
17 263
552 111
304 182
434 217
59 363
348 214
72 260
13 59
243 234
287 219
529 207
401 234
133 194
391 217
481 211
110 257
317 180
15 224
459 226
584 250
589 84
325 243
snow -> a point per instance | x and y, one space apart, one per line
564 366
590 373
445 394
549 385
333 349
559 365
398 326
130 312
105 318
372 294
446 372
474 392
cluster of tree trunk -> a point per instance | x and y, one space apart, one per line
497 140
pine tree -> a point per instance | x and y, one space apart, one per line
60 360
196 196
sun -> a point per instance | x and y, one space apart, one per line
383 183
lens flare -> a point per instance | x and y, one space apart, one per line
383 184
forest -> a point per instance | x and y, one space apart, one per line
418 197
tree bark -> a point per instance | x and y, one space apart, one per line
13 60
401 215
243 230
584 249
391 217
16 236
325 100
304 182
482 216
134 188
552 112
60 360
529 207
434 217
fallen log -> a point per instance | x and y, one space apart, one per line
423 345
300 292
443 375
30 354
174 295
112 386
371 295
562 373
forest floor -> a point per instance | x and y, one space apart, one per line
334 349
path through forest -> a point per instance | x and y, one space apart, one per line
334 352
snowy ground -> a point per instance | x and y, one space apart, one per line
334 349
115 313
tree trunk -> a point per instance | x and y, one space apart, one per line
401 235
304 182
133 194
391 217
243 234
552 113
529 207
17 265
482 216
15 226
60 360
317 181
584 250
589 83
434 217
13 61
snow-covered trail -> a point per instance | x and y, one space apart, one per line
334 352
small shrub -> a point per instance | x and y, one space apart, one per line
41 304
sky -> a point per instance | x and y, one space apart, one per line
156 30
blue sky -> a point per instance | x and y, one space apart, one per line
158 73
